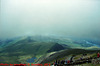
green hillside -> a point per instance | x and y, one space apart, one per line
21 49
24 49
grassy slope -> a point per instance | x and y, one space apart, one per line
23 50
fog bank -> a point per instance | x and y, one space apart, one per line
80 18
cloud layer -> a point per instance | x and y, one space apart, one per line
40 17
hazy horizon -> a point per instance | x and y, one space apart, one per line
80 18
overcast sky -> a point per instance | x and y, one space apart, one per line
44 17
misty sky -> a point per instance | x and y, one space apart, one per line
44 17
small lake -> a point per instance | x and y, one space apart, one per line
31 60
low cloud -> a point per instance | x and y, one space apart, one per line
80 18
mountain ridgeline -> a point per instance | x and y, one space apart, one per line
21 49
